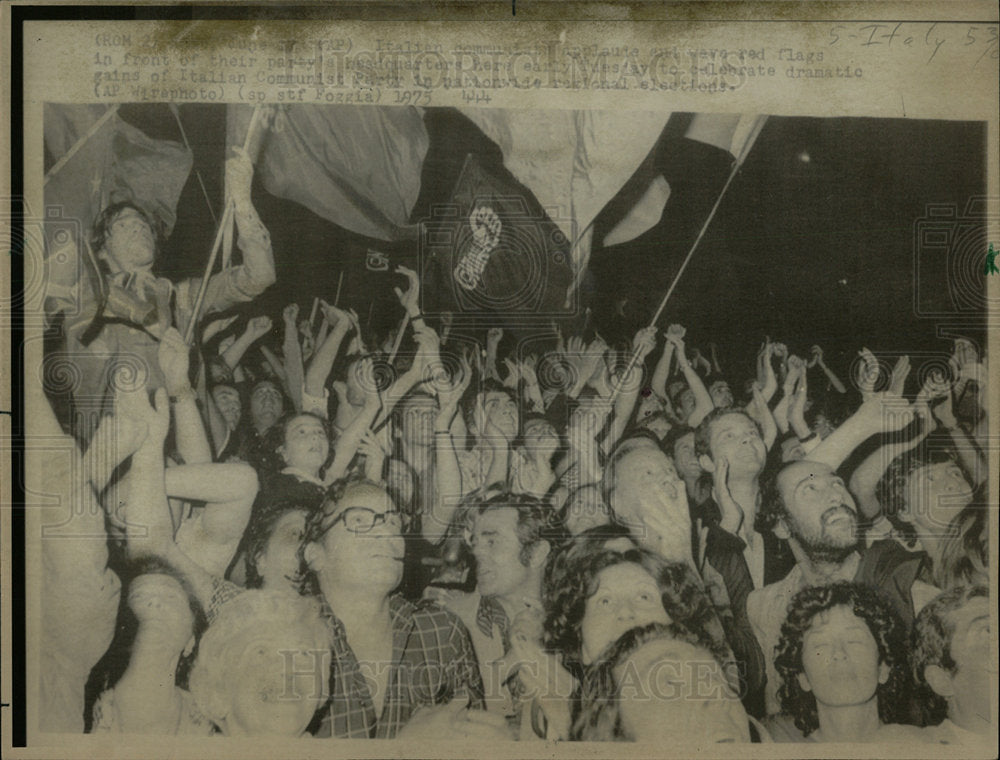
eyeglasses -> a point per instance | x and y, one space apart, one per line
363 520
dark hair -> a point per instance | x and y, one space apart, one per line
673 436
932 634
266 458
536 520
471 400
891 488
600 718
102 225
260 529
885 628
703 433
571 583
965 552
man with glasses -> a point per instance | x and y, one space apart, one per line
390 657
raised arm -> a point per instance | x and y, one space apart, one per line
642 346
228 490
817 359
658 383
189 430
447 473
245 282
257 328
292 352
322 361
703 400
884 412
866 476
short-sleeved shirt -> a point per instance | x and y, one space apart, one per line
432 663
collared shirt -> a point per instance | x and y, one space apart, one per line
432 663
767 609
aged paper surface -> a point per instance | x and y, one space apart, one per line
919 61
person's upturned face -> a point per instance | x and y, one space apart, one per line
647 493
934 495
975 657
265 406
276 687
722 394
686 403
685 459
306 445
499 570
673 691
227 399
540 436
130 244
371 560
161 605
498 409
840 659
736 437
822 515
626 597
278 563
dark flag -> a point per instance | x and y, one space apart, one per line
493 249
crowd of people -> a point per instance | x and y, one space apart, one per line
422 536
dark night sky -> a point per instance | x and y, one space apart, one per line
808 251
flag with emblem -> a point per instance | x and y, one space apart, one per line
493 249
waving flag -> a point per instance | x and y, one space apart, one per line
493 250
358 167
573 161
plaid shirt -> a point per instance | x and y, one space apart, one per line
432 662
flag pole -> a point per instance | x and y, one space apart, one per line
227 220
687 259
175 110
95 127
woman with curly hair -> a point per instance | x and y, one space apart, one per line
842 662
661 683
596 596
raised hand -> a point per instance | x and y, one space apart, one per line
493 337
410 299
428 344
675 333
867 374
239 176
900 371
732 512
337 318
816 356
527 369
513 373
291 314
644 342
935 386
258 327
